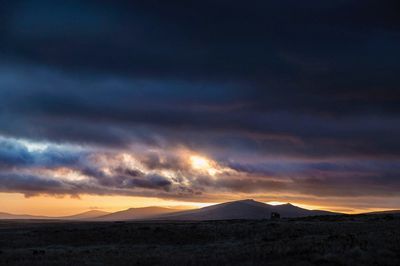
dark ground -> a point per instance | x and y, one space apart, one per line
344 240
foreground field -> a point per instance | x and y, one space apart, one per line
344 240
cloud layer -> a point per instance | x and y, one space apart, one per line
289 98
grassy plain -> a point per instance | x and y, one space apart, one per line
330 240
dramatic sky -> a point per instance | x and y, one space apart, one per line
114 104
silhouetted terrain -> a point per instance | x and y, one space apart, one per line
394 212
318 240
242 209
135 213
85 215
9 216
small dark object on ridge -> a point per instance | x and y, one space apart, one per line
38 252
275 216
388 217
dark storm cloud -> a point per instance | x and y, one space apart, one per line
305 80
152 181
38 172
15 154
31 185
102 172
166 161
126 178
116 112
205 38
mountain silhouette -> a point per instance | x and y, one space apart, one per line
136 214
394 212
242 209
84 215
9 216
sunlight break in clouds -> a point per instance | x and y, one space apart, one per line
203 164
207 102
176 174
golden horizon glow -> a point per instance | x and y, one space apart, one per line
276 203
63 206
45 205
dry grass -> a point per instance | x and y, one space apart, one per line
345 240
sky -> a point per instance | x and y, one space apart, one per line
118 104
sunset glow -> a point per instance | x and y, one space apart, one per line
200 163
129 104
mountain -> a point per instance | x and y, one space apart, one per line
136 214
9 216
85 215
81 216
242 209
395 212
288 210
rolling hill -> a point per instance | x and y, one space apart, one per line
243 209
393 212
136 214
85 215
9 216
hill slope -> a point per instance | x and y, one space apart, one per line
394 212
243 209
136 214
85 215
9 216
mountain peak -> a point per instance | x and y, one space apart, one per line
136 213
85 215
246 200
94 211
242 209
147 208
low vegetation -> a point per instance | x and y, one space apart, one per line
330 240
